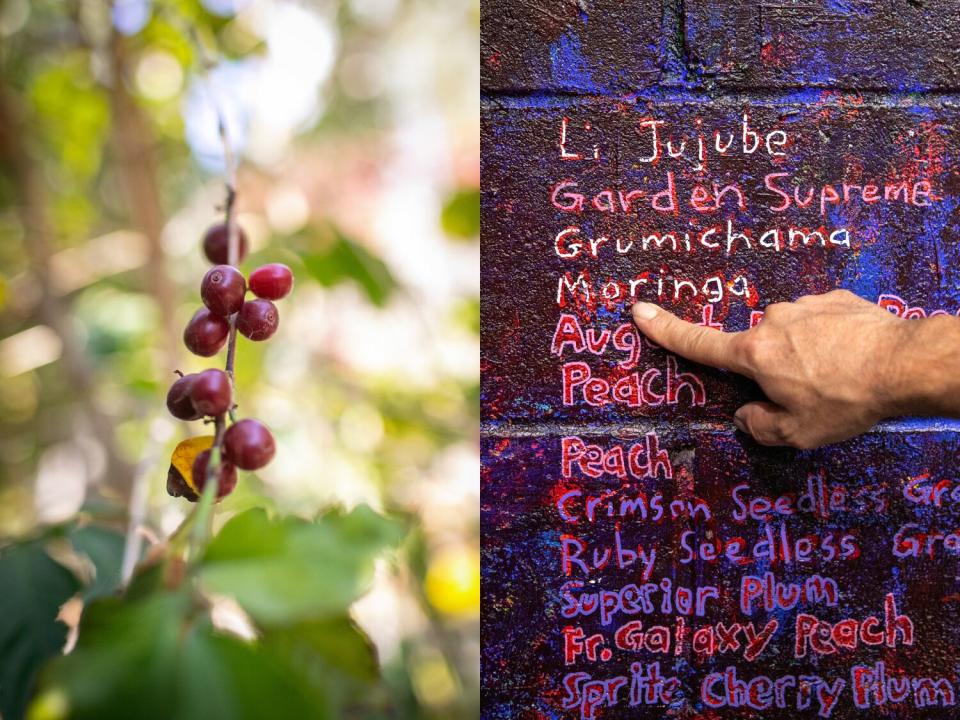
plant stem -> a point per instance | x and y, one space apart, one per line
204 525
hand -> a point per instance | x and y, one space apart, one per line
828 364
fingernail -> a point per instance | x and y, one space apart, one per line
738 422
644 311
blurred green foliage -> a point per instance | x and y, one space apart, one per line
35 587
290 569
461 214
157 653
103 549
160 657
104 194
342 260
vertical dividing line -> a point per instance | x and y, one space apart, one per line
673 44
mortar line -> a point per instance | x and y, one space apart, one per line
832 96
675 66
545 429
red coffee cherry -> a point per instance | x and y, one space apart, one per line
206 333
271 282
248 444
222 289
179 402
216 242
211 392
258 319
227 474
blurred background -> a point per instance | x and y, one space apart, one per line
355 124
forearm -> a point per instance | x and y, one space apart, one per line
925 368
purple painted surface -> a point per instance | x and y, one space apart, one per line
827 536
790 553
855 44
585 46
541 214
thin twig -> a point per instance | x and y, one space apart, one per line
203 529
138 511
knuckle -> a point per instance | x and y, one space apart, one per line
787 436
793 436
754 348
778 313
765 436
841 294
778 434
798 441
772 431
698 341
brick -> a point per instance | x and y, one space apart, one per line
858 489
522 530
593 46
902 253
854 492
856 44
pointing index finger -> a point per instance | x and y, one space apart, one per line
704 345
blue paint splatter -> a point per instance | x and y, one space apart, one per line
569 67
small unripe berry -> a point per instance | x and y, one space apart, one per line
211 392
248 444
222 289
179 402
271 282
227 475
216 244
258 319
206 333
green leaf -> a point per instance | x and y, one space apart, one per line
32 589
160 658
332 654
460 216
104 547
345 260
288 569
334 643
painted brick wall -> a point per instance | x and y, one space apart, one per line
727 580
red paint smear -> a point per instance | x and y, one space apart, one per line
778 52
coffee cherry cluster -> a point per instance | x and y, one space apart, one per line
247 444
